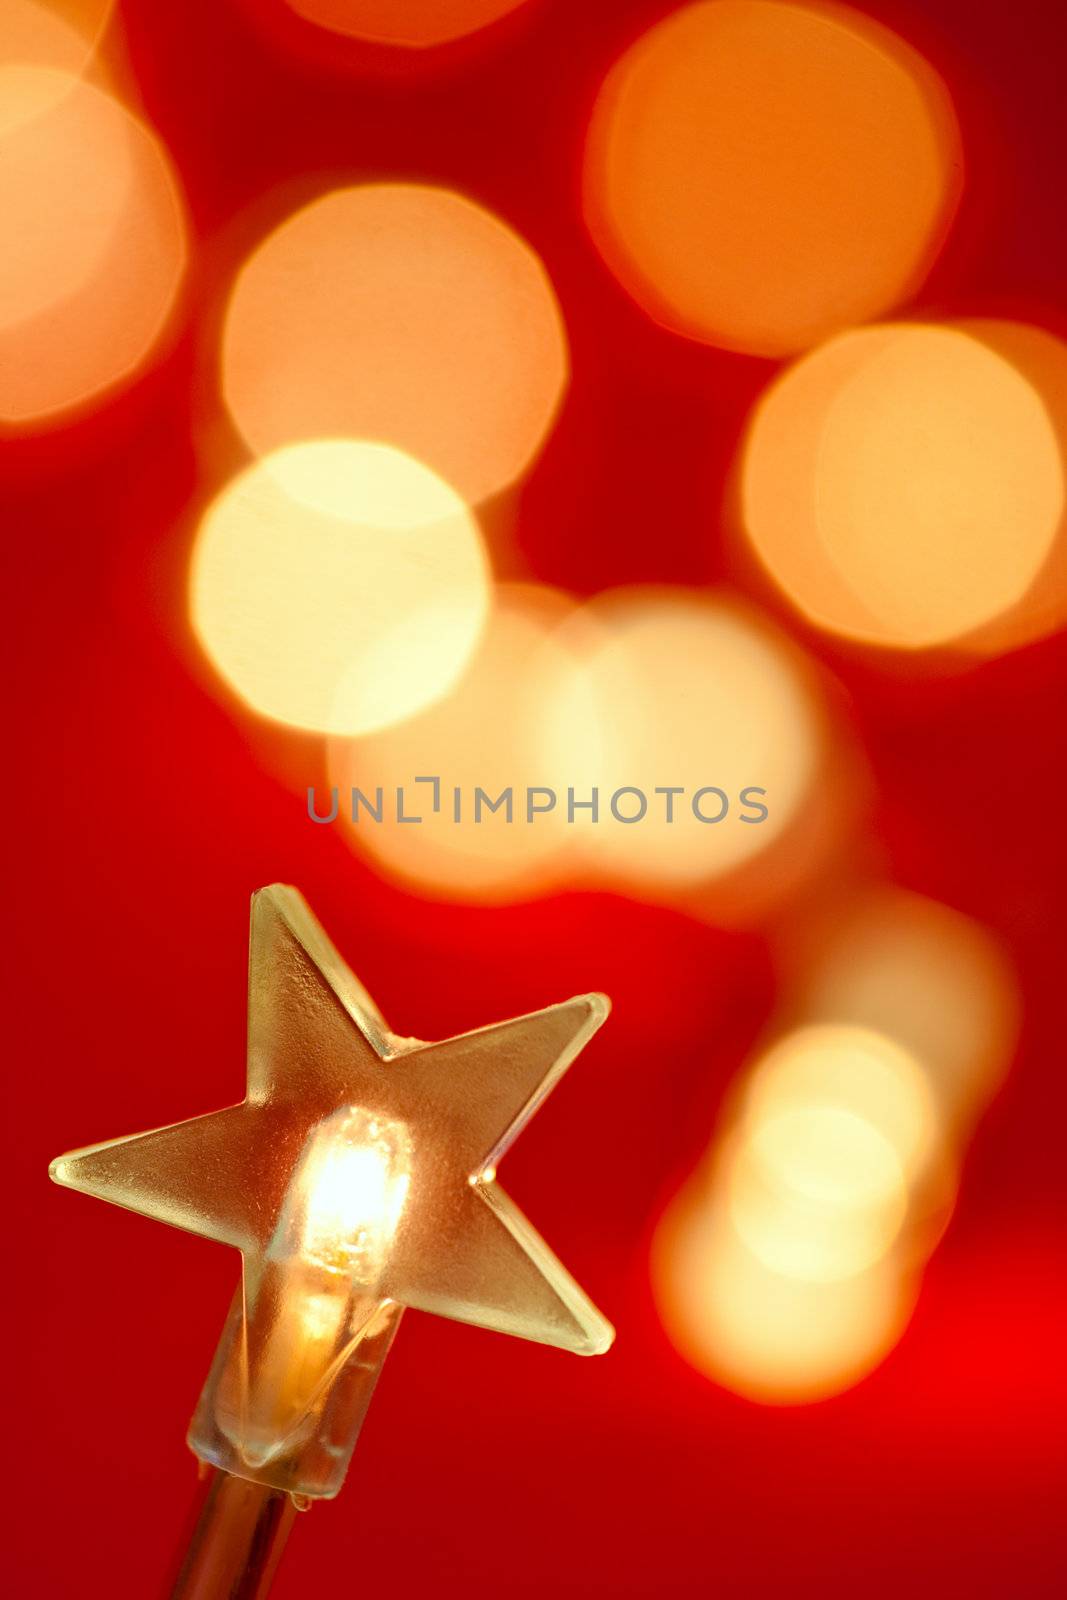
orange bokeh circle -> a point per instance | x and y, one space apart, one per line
96 248
1041 358
52 33
759 175
415 24
903 485
402 313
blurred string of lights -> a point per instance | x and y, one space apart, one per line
788 1264
762 178
616 714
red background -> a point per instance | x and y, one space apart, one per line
145 809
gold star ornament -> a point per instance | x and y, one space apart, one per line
357 1177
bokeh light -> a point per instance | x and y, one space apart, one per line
685 690
415 24
918 973
832 1128
1042 360
830 1173
903 485
482 735
761 175
816 1192
62 34
858 1070
95 243
401 313
339 585
772 1337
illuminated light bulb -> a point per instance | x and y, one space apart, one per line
320 1286
97 244
677 688
816 1192
401 313
358 1177
759 175
920 974
414 24
339 585
479 743
889 464
351 1187
775 1339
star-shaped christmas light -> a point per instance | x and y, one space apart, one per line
357 1177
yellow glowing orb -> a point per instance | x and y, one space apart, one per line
816 1192
842 1067
903 485
481 843
773 1338
683 692
401 313
412 23
920 974
95 247
339 585
760 175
